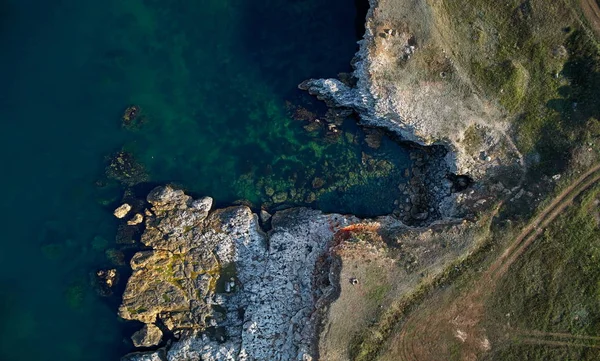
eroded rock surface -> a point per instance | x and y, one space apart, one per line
149 335
226 288
408 83
172 282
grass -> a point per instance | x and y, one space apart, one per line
378 284
526 56
378 293
535 60
370 344
554 287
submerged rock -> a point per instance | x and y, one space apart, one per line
373 138
106 279
280 197
126 234
132 117
115 256
318 183
124 168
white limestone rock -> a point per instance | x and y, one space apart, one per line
274 283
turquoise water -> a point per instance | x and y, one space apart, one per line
216 81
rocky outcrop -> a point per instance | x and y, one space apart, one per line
137 219
228 290
171 282
407 83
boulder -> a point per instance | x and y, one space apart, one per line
264 216
122 210
150 335
203 204
137 219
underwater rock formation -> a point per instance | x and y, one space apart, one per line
124 168
227 289
132 117
105 281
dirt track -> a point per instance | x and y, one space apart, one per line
592 13
430 332
558 339
535 227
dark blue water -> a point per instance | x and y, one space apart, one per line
215 81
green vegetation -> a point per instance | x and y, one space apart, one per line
99 244
378 293
535 59
553 288
378 286
539 63
138 311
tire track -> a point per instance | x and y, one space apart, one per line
592 14
428 326
535 227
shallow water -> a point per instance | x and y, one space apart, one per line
212 80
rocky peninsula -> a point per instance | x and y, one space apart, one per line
227 289
227 284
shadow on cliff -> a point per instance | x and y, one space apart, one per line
577 106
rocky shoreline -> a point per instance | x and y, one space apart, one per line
221 286
426 106
224 287
212 284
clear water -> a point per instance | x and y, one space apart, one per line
212 78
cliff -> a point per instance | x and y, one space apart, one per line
408 82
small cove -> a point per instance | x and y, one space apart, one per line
216 82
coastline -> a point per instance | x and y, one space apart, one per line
442 180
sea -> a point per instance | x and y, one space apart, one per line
220 114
